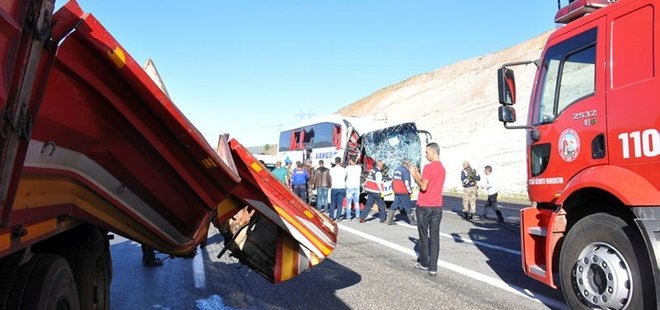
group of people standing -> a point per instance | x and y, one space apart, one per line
339 182
401 186
332 185
428 212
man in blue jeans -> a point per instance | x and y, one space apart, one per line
373 185
337 189
429 208
299 178
321 182
353 182
402 190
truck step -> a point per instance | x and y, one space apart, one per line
537 231
538 270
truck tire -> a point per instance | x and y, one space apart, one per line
600 265
8 272
91 264
45 282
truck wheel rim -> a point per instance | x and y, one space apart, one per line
603 277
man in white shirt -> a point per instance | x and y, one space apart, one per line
337 189
353 181
490 185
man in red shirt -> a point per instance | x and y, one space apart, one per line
429 208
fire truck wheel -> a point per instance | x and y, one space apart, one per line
599 267
91 264
44 282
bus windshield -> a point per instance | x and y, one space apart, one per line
393 144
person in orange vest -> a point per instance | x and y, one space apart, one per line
374 188
402 190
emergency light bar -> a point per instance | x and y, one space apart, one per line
578 8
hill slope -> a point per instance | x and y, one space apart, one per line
458 105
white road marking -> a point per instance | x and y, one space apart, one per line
460 239
464 271
481 244
199 277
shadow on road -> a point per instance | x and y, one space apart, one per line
242 288
226 284
491 237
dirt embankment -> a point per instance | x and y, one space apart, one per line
458 105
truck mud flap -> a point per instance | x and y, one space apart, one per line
540 231
267 227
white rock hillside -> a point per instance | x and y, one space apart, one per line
458 105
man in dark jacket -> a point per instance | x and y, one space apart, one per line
322 183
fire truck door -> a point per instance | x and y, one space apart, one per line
569 110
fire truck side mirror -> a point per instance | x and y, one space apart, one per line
507 114
506 86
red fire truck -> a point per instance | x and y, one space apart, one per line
593 155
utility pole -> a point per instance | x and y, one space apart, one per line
302 115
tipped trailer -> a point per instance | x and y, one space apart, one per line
90 145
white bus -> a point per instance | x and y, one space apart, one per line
365 139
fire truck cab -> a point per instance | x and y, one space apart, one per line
593 159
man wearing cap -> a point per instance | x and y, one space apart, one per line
469 178
402 190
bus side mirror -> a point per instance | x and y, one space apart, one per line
506 87
507 114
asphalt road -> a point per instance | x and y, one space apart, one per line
371 268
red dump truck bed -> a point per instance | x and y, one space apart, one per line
88 138
108 147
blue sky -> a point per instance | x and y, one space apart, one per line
250 67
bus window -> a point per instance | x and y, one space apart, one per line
295 138
336 137
353 145
285 141
307 138
324 135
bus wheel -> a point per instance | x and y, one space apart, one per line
599 267
44 282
